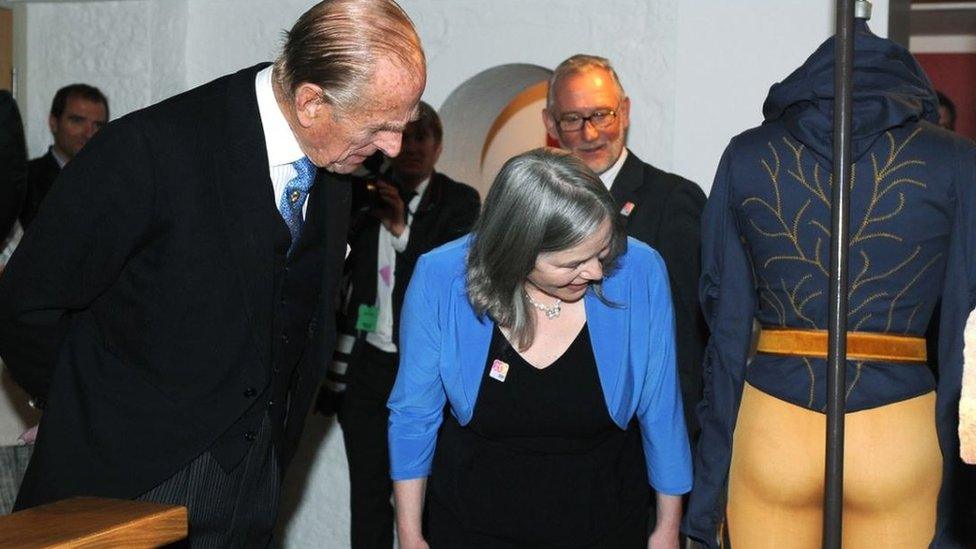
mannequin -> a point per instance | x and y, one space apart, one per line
759 465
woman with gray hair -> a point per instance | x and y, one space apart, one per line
550 338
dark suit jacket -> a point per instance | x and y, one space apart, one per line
41 173
13 163
140 302
447 210
666 215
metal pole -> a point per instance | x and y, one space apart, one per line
837 321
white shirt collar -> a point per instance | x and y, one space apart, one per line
421 188
608 176
61 160
278 138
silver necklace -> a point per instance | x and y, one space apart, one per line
551 312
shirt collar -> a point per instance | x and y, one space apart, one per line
282 146
421 188
608 176
61 160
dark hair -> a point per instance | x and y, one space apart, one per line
950 107
429 122
84 91
544 200
336 44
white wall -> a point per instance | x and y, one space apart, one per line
727 59
697 73
134 51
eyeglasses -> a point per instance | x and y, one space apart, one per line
574 122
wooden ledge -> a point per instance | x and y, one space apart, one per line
94 522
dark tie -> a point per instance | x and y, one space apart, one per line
292 200
406 195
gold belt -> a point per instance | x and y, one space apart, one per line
865 346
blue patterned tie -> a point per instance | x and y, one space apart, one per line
292 200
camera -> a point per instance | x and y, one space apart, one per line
372 200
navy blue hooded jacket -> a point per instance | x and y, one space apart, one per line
765 237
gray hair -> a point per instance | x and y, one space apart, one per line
336 44
545 200
579 63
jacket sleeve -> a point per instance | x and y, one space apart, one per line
680 245
417 401
659 409
13 163
74 251
727 294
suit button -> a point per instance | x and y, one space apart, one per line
250 392
250 436
270 403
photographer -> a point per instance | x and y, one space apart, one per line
398 216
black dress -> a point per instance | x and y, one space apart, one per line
541 464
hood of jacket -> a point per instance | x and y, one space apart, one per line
890 90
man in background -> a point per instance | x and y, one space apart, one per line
588 113
77 112
397 218
172 300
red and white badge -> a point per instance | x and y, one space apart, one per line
628 207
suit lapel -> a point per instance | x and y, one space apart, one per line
423 217
628 182
336 193
246 197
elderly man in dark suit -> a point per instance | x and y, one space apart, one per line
588 113
173 298
414 210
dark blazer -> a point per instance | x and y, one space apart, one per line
41 173
140 302
666 215
13 163
447 210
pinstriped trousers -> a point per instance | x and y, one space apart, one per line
227 509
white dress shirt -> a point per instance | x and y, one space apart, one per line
608 176
387 248
283 148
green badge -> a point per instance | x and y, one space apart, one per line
366 321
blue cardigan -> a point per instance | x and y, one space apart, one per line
444 347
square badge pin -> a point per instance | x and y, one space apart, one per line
628 207
499 371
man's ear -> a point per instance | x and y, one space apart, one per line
438 151
551 127
52 123
624 114
310 104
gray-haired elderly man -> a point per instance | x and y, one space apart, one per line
588 113
172 301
